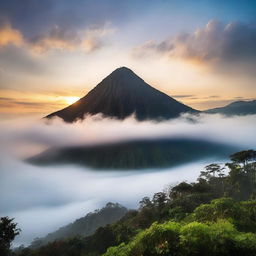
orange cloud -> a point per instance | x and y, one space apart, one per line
9 35
57 38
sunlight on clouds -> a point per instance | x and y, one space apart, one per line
8 35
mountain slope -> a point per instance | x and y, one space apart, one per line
85 226
141 154
236 108
121 94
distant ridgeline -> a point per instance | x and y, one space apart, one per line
85 226
236 108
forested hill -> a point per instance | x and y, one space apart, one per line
214 216
85 226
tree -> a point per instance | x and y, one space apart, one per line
242 174
244 157
160 199
181 189
145 202
8 231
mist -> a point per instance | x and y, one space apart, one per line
42 199
26 138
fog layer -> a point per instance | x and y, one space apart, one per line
42 199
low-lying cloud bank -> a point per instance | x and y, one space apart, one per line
26 137
42 199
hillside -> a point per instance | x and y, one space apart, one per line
85 226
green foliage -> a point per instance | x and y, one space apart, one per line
155 240
193 239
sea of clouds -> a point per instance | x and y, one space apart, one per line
41 199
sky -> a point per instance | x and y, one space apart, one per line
202 53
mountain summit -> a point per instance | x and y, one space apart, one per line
121 94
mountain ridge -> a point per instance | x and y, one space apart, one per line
235 108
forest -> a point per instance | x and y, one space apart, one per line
216 215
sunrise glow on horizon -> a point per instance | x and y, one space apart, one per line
194 59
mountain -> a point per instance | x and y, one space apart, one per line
85 226
121 94
236 108
139 154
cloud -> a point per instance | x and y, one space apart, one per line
150 48
183 96
61 38
96 129
9 35
37 17
213 44
94 37
58 195
57 38
12 103
213 96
